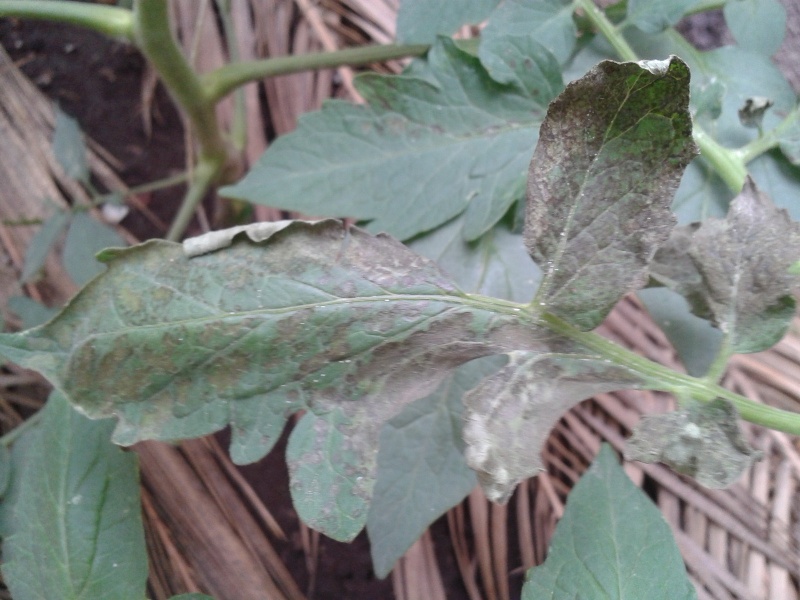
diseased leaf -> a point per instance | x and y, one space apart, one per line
349 326
736 271
509 415
548 22
193 596
421 468
611 544
419 21
69 147
41 243
652 16
422 152
757 25
502 55
610 156
77 512
701 440
85 238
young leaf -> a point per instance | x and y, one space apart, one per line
41 243
350 326
610 156
757 25
652 16
77 513
509 415
422 152
701 440
421 467
419 21
548 22
69 147
736 271
611 544
85 238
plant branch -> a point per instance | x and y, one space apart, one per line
108 20
771 139
154 38
663 378
221 82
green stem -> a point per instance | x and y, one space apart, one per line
608 29
770 140
726 162
238 129
154 38
109 20
663 378
205 173
222 81
720 363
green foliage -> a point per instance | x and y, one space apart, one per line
422 152
419 21
77 512
378 345
611 544
69 147
757 25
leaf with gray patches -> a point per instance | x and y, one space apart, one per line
349 326
702 440
610 156
736 271
509 415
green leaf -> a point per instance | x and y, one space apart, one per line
695 340
20 451
419 21
5 470
422 152
736 271
611 544
421 467
41 243
610 156
779 179
701 194
652 16
699 440
548 22
496 265
331 474
77 513
85 238
69 147
31 312
509 415
790 137
350 326
757 25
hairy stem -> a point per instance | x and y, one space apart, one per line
668 380
109 20
223 81
154 38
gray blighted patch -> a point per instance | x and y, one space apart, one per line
702 440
